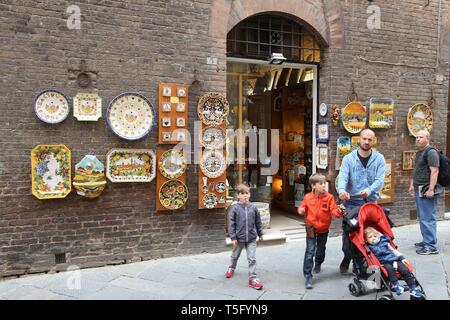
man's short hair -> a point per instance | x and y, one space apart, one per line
316 178
242 188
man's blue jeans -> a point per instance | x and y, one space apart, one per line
315 250
426 213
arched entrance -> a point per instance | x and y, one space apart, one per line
278 96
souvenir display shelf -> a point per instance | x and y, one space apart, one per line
172 113
161 179
51 171
213 186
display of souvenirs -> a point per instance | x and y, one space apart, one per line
335 115
209 200
322 132
213 164
172 164
381 113
173 113
89 180
50 171
344 146
51 106
130 165
354 117
322 156
213 138
420 117
173 194
213 109
130 116
87 106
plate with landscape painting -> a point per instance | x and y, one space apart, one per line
420 117
354 117
131 165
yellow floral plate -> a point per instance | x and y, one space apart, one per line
420 117
173 194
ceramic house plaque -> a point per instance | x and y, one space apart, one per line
131 165
89 180
87 106
50 171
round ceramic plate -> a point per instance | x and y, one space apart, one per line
213 138
173 194
220 187
213 109
420 117
213 164
51 106
209 200
130 116
354 117
172 164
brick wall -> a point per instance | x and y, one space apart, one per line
134 45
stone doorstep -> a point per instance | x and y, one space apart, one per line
269 238
447 216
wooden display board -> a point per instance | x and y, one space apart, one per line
160 180
172 113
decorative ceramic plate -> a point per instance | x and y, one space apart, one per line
213 109
51 106
213 138
89 180
130 116
173 194
213 164
354 117
322 156
172 164
87 106
220 187
420 117
50 171
130 165
381 112
209 200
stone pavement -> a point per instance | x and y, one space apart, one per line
201 277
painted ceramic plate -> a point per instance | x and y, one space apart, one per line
420 117
130 165
172 164
213 138
89 180
212 109
130 116
173 194
87 106
354 117
220 187
381 113
209 200
51 106
213 164
50 171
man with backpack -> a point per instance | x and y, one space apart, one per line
425 188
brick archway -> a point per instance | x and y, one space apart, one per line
323 20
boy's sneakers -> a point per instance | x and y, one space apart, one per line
254 283
317 268
419 245
229 273
308 282
398 289
416 293
427 251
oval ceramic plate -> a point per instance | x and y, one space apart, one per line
51 106
212 109
209 200
213 138
173 194
213 164
172 164
420 117
354 117
130 116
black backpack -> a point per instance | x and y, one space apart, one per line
444 167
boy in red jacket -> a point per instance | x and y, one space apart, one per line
318 206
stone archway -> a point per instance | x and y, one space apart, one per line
323 18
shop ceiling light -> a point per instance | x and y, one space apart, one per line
276 58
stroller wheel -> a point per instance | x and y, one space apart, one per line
385 297
353 290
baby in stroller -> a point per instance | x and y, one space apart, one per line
392 261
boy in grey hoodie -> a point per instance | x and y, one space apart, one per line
245 228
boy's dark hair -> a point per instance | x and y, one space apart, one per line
316 178
242 188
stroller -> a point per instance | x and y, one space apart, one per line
368 269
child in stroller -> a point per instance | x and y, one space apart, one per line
373 240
